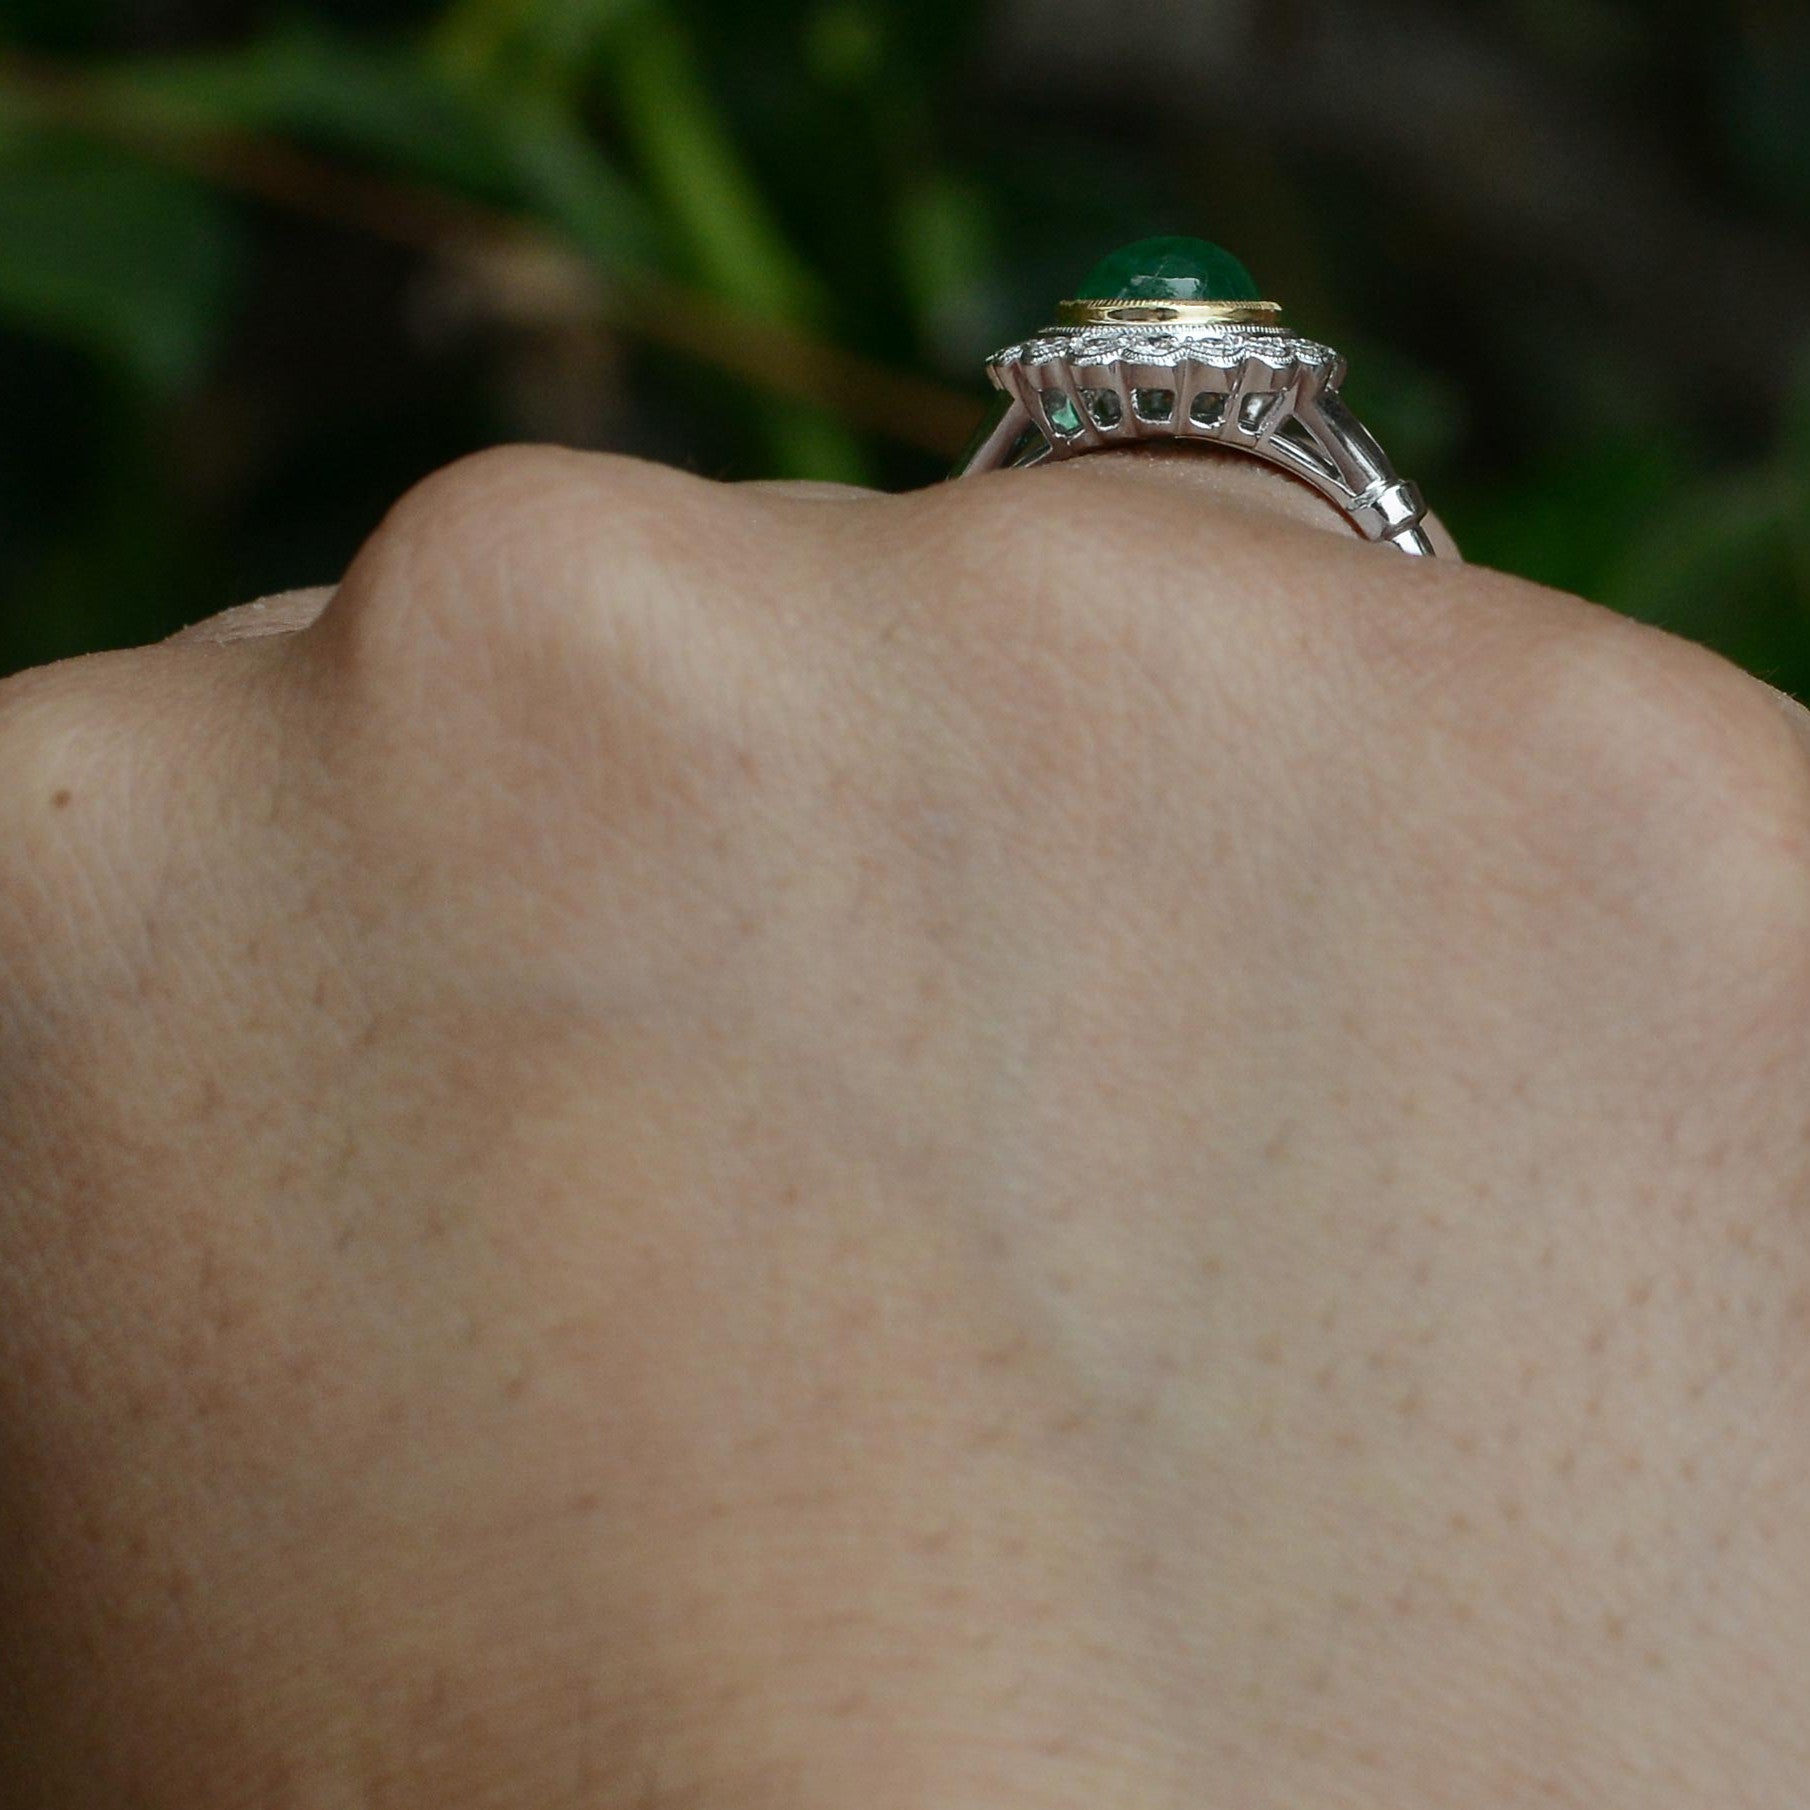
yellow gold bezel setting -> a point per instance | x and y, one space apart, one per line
1168 314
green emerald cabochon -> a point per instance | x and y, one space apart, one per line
1169 270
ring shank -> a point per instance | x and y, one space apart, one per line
1273 398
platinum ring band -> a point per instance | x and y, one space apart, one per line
1112 374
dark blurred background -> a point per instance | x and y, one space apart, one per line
261 267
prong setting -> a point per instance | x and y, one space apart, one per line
1247 386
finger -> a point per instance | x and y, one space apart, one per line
1236 479
287 613
810 490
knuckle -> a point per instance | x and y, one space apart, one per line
1022 581
525 577
1059 602
581 623
1054 538
1156 563
519 552
66 765
56 738
1673 778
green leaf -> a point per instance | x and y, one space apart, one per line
306 81
556 168
947 254
395 108
730 231
547 44
122 260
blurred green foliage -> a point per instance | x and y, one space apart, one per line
261 267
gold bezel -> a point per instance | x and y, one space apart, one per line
1169 314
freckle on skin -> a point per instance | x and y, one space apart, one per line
1615 1626
61 801
1567 1463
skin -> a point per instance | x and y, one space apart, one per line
1067 1141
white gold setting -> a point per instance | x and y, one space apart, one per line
1250 388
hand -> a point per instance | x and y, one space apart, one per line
1056 1143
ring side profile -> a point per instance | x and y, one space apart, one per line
1170 341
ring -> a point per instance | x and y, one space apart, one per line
1170 340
